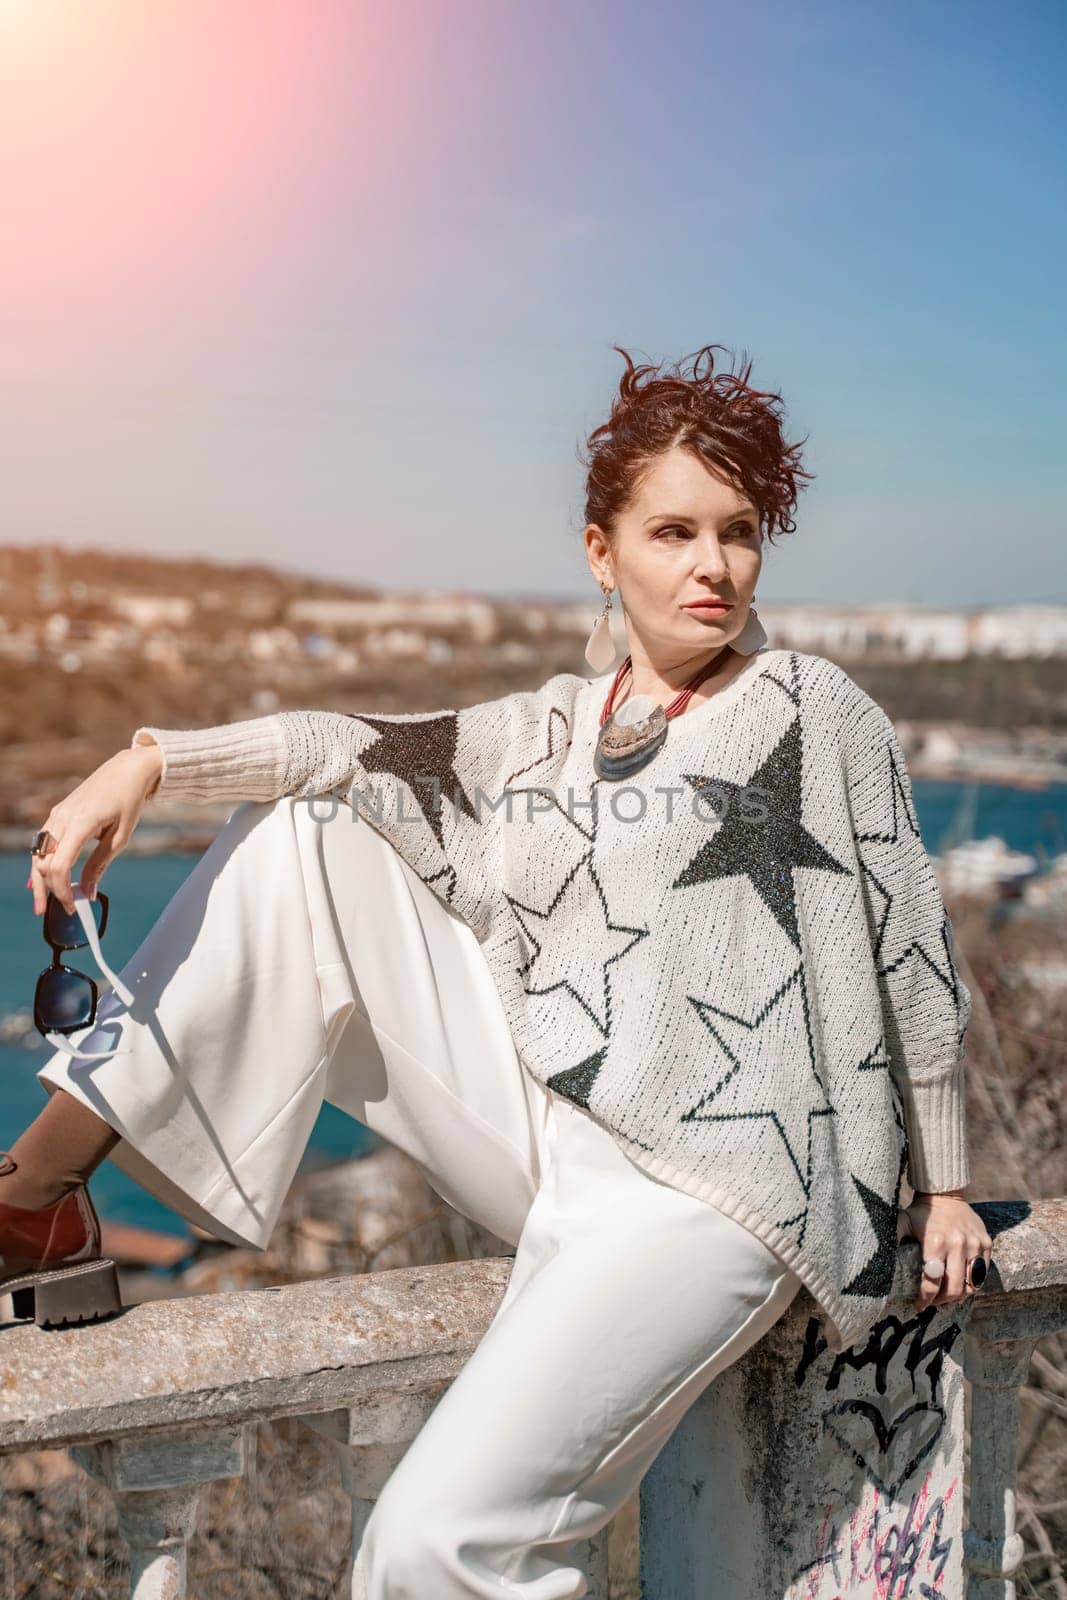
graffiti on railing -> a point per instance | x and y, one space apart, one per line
882 1548
896 1538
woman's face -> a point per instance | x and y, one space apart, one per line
685 537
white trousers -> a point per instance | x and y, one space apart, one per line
302 959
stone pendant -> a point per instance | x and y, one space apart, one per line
630 738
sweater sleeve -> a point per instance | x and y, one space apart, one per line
926 1005
428 781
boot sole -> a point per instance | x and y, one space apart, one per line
64 1296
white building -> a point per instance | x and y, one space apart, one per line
474 616
150 610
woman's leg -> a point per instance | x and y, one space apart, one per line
626 1299
302 959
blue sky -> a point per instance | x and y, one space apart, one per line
335 286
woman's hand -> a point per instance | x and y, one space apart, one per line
950 1231
107 806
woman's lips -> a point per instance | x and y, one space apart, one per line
717 607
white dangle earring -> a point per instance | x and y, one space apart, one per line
600 651
752 636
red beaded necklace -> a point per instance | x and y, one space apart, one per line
681 699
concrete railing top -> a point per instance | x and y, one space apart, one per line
220 1359
1029 1243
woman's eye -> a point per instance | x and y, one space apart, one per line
742 530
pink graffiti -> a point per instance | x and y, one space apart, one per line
885 1551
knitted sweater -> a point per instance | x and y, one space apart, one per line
738 960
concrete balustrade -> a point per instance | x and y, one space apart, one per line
807 1475
797 1473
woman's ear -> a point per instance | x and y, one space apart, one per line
597 553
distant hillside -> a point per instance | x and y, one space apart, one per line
87 575
94 642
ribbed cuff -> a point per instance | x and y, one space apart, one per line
234 761
935 1116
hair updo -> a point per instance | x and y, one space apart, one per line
736 431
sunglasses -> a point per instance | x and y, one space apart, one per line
65 999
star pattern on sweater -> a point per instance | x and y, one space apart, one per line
899 942
557 740
757 1041
581 811
583 972
748 1055
806 1173
422 753
899 806
940 965
876 1060
576 1083
875 1277
761 834
446 876
790 689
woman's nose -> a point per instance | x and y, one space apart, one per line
711 564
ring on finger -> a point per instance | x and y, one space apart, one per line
977 1272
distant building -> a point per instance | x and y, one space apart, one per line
917 633
150 610
475 617
1021 631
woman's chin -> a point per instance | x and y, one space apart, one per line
713 629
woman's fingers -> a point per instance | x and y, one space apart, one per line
980 1244
100 859
45 870
905 1226
105 807
932 1246
39 885
56 868
954 1283
954 1243
963 1248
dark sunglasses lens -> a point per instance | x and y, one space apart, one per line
63 1000
64 928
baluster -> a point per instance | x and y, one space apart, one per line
369 1440
992 1548
155 1484
592 1557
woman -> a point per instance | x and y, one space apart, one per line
666 998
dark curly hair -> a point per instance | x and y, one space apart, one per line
736 431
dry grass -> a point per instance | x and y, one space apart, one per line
1017 1115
